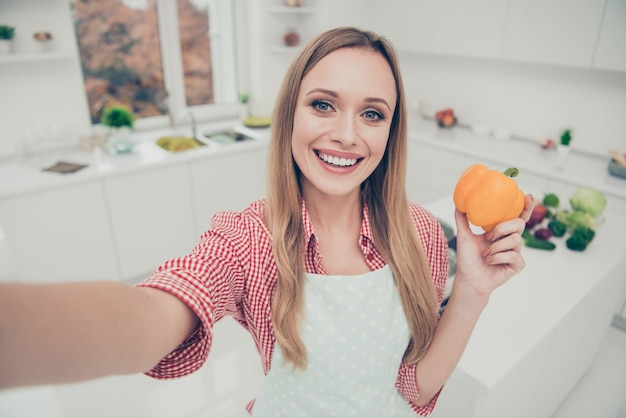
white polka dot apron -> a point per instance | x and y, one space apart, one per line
355 332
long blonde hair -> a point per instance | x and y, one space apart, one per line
384 193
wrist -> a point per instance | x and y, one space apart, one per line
468 297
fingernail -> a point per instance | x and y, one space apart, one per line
489 236
486 252
532 197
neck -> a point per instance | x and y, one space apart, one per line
335 213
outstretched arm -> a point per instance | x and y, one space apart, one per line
59 333
484 262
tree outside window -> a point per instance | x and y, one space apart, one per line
121 54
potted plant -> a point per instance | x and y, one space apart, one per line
566 137
43 38
563 148
120 120
7 32
244 111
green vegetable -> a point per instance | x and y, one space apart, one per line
551 200
577 219
588 200
580 239
532 242
557 227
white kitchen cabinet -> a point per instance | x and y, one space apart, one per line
230 182
451 27
432 172
540 332
61 234
152 218
561 32
407 23
611 48
473 29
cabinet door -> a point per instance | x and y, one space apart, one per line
228 182
432 172
452 27
611 49
469 28
152 218
560 32
60 235
408 24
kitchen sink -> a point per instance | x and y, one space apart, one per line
178 143
226 137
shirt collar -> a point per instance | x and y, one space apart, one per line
365 238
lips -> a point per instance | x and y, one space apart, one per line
337 161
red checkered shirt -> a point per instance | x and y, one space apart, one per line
232 272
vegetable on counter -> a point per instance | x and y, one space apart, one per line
488 197
445 118
557 227
532 241
581 221
588 200
551 200
537 216
580 238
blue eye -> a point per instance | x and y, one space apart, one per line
373 115
321 105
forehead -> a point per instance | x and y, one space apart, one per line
360 68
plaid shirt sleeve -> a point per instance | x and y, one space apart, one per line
436 247
211 280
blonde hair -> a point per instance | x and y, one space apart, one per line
384 193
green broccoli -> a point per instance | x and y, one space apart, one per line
551 200
580 239
557 227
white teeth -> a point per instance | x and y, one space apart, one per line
342 162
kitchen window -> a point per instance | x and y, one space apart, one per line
160 58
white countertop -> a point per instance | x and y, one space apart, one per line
579 168
25 177
527 308
21 177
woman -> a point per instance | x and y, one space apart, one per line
336 276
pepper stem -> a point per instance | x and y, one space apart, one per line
511 172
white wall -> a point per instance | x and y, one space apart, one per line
532 100
41 94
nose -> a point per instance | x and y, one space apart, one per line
344 129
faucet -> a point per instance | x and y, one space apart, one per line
192 119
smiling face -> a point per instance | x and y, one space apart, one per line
342 119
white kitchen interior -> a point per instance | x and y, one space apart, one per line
552 343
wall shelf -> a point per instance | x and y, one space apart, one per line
284 49
287 18
17 57
292 10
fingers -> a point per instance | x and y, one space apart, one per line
518 224
462 224
529 204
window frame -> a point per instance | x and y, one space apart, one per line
223 19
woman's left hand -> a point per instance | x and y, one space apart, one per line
488 260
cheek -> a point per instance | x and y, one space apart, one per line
378 143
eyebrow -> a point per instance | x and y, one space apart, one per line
334 94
